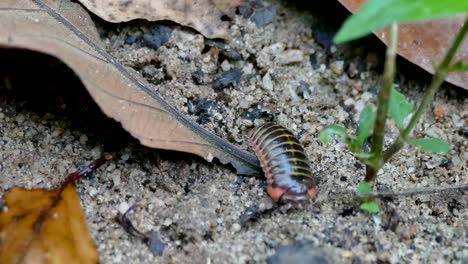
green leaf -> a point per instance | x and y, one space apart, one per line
364 187
366 124
434 145
376 14
325 134
399 108
459 66
370 207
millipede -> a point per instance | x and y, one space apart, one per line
285 165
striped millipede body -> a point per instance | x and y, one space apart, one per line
289 176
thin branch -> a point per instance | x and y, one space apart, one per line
410 192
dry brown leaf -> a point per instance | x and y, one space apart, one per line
63 236
425 43
205 16
47 226
64 29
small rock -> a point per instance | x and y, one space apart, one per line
204 109
267 83
349 102
264 16
337 67
245 11
123 207
352 70
156 36
244 104
92 191
116 177
439 111
290 56
236 227
167 222
323 34
303 90
209 60
347 254
255 114
231 55
198 76
111 167
313 61
125 156
432 164
250 214
225 65
132 38
20 119
226 79
247 123
83 139
248 68
155 244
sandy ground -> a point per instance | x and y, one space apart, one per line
49 127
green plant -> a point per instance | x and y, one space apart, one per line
373 15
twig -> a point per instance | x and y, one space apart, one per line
410 192
151 238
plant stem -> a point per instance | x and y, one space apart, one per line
382 106
439 76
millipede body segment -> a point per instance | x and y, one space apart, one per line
289 176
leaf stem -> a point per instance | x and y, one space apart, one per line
441 72
382 107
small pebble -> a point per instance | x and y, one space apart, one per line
156 36
303 90
92 191
116 177
125 156
290 56
244 104
236 227
227 78
432 164
247 122
167 222
123 207
83 139
198 77
337 67
264 16
439 111
267 83
225 65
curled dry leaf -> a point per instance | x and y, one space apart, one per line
64 29
426 43
63 236
47 226
205 16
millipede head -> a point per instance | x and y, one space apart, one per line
291 195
